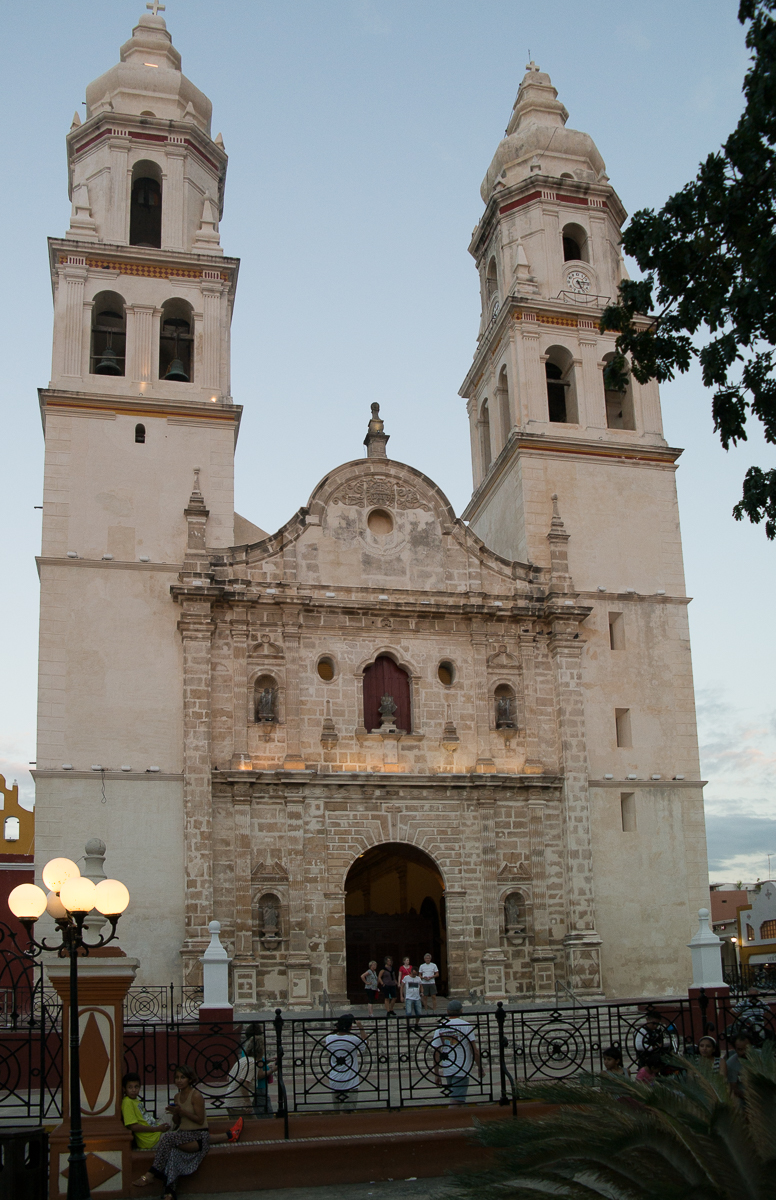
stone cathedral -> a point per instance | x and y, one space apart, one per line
383 728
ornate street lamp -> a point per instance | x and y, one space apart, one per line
70 899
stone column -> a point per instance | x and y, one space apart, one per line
243 901
533 762
457 973
535 398
196 629
542 957
583 965
239 629
291 631
117 218
140 343
590 388
102 985
211 331
298 958
480 646
172 194
74 280
493 958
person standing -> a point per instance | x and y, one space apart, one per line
344 1049
429 973
410 993
369 980
404 970
388 986
732 1065
455 1054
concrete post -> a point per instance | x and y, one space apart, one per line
706 952
215 1004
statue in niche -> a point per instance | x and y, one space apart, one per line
513 912
269 915
504 717
387 710
265 705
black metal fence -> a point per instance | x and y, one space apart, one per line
760 975
306 1064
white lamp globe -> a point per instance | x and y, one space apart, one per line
111 897
27 901
78 895
57 871
54 907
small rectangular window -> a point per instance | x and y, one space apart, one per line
628 811
616 631
623 725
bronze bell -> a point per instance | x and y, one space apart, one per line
176 372
108 364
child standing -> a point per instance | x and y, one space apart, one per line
410 991
369 980
135 1117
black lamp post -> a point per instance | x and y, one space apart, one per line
70 900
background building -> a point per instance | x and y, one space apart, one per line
383 728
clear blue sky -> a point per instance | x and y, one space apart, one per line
358 135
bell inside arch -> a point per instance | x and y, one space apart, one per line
108 364
177 372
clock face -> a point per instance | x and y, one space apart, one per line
578 281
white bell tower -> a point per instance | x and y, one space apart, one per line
139 399
542 426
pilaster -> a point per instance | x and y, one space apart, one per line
480 646
542 958
291 633
298 958
243 907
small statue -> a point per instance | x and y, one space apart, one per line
512 911
376 424
265 705
504 713
387 710
270 921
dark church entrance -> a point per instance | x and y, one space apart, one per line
394 904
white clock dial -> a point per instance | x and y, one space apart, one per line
578 281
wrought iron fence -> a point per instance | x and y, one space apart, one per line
30 1039
159 1004
305 1064
760 975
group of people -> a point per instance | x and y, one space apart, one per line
455 1054
182 1142
656 1045
415 987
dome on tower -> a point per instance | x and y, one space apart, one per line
148 80
537 140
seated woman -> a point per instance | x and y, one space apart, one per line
182 1149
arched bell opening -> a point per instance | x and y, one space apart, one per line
176 337
619 405
145 206
394 905
575 243
109 335
561 386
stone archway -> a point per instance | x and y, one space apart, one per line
394 904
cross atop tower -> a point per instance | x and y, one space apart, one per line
155 8
529 66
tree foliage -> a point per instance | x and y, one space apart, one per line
709 263
684 1138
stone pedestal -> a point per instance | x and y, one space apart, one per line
493 966
215 1006
543 962
706 951
103 981
299 983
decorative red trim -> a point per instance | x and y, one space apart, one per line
518 203
144 137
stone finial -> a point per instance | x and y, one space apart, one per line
556 522
558 538
196 514
376 437
207 236
706 951
215 971
94 869
76 120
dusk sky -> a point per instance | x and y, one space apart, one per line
358 134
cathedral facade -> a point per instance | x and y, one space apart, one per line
384 728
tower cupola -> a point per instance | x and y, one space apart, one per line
148 81
537 141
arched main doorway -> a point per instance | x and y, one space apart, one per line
394 904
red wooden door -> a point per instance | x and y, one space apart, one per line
384 678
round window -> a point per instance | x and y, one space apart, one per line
446 673
380 522
326 669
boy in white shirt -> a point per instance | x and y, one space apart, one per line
410 993
429 973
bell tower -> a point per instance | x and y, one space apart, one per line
139 399
547 437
